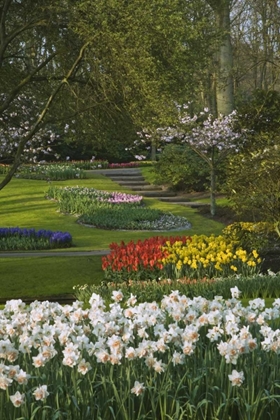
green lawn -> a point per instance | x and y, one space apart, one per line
46 276
22 204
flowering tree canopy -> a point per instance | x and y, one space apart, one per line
204 133
16 123
211 138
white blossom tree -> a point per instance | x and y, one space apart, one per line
15 124
211 138
27 135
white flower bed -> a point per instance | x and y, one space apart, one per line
55 358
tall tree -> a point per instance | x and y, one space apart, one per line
152 52
256 41
224 75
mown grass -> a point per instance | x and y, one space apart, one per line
23 204
46 276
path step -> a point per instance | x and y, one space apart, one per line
178 198
156 194
132 178
147 187
193 204
118 172
130 184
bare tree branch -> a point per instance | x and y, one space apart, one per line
27 79
36 126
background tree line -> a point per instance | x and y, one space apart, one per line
81 78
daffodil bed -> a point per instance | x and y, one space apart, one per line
180 358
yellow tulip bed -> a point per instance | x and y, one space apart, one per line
209 256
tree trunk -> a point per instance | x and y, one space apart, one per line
224 85
153 151
213 190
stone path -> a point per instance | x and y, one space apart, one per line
132 178
7 254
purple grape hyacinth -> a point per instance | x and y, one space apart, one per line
56 239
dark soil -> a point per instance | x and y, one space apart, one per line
224 215
271 261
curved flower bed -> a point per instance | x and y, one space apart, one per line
78 194
53 171
113 210
28 239
195 357
124 165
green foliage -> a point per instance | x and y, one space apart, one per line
133 218
122 217
253 174
253 185
4 169
116 151
23 244
150 52
260 112
181 168
257 286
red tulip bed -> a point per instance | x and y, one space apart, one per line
142 259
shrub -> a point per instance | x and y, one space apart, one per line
260 235
4 169
181 168
253 185
253 173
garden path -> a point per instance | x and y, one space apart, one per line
132 178
7 254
